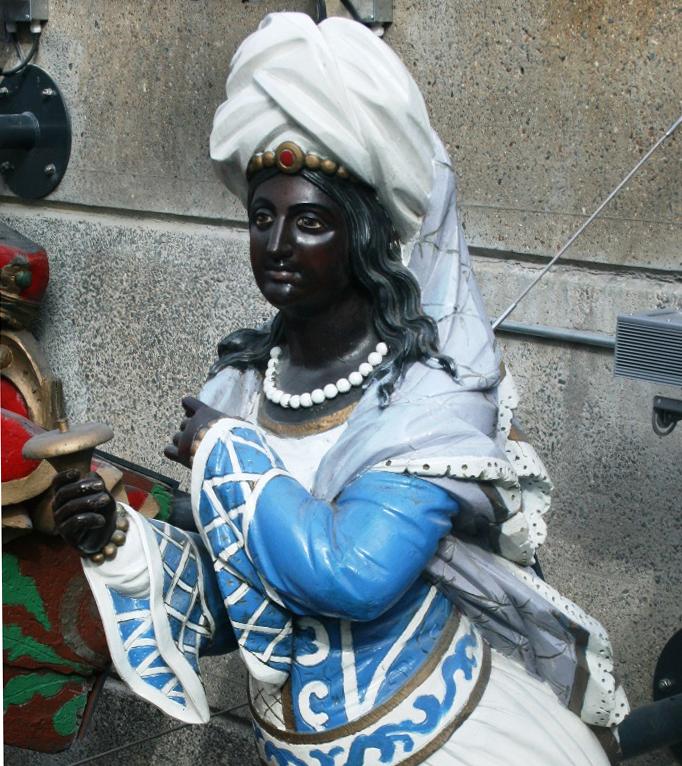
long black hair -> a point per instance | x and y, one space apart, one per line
376 264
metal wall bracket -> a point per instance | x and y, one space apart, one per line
659 724
667 413
374 11
370 12
35 133
668 680
18 11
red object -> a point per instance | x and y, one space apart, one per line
286 157
73 629
11 398
136 497
57 632
30 726
16 431
13 245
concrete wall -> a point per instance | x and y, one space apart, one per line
544 107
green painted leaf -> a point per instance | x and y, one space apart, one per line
164 498
18 645
20 590
22 688
66 720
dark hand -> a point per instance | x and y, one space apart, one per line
84 511
199 417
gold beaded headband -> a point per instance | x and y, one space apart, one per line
289 158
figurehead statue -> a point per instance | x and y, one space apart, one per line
368 510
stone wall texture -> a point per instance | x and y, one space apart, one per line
544 106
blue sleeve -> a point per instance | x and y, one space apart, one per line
156 631
352 559
190 590
223 639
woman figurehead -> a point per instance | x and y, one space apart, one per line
333 105
355 240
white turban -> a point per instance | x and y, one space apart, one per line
337 91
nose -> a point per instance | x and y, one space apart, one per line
279 243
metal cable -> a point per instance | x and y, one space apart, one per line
25 62
348 5
585 224
150 737
321 10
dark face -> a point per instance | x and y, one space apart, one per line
299 246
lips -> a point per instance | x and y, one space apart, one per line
283 275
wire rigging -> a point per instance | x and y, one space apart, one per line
348 5
611 195
23 63
148 738
321 11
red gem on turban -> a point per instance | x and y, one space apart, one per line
286 157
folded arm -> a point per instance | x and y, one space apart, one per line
351 559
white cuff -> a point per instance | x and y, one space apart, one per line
128 572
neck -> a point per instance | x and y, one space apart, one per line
335 334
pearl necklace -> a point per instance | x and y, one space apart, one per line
319 395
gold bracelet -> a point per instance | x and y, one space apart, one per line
116 540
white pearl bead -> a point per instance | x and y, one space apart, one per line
319 395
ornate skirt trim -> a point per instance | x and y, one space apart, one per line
461 717
410 726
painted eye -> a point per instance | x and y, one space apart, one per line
261 219
310 223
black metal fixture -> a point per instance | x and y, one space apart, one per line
13 13
35 133
667 413
658 724
668 684
370 12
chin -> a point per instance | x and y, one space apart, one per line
295 303
281 295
